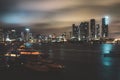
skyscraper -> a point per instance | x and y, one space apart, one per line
105 27
1 33
97 31
92 28
75 30
84 30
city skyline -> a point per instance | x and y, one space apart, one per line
48 16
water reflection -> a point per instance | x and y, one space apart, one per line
106 62
107 69
50 52
107 48
62 52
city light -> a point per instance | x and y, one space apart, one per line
27 29
30 53
13 30
8 39
106 20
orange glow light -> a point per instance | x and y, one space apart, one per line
29 53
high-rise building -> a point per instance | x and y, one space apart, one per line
105 27
75 30
12 34
84 30
70 33
92 28
97 31
1 33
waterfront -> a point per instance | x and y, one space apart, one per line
81 61
87 62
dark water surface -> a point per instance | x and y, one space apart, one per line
82 62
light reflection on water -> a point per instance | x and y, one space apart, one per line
50 52
106 48
62 53
107 62
107 69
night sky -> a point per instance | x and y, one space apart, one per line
56 16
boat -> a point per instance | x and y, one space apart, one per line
33 59
37 61
28 51
21 55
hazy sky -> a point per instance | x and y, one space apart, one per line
58 15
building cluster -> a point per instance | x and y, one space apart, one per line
11 32
90 30
85 31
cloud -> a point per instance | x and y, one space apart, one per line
49 31
55 25
59 14
47 5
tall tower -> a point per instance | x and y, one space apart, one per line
75 30
1 33
84 30
92 28
105 27
97 31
